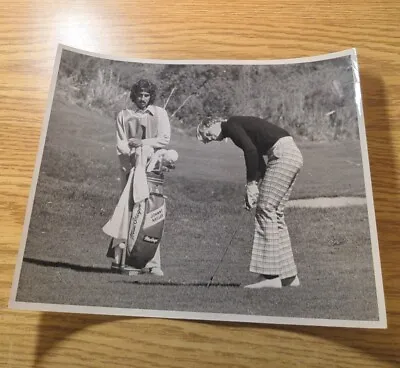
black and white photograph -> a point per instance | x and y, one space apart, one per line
222 190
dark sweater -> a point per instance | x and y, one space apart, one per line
255 137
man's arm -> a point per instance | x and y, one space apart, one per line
164 131
122 140
239 136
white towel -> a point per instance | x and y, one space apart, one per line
136 191
140 186
117 226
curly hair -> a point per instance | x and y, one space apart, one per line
144 85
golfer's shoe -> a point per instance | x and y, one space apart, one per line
156 271
266 283
291 281
295 282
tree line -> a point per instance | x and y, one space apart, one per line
313 101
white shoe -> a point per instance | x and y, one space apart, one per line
295 282
156 271
266 283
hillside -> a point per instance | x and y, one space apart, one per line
314 101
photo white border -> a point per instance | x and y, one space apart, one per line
381 323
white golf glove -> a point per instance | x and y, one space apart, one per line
251 196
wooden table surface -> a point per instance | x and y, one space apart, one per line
176 29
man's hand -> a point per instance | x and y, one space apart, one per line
251 196
134 142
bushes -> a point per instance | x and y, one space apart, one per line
314 101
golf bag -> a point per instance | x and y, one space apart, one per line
138 219
146 224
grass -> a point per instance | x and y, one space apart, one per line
85 141
333 258
77 192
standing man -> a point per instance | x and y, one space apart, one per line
144 125
273 162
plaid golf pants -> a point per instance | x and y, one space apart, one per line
272 251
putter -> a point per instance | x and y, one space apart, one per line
226 250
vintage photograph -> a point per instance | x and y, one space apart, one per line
207 190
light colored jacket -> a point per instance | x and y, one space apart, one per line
156 126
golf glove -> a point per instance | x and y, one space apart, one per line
251 196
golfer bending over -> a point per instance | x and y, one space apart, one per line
272 156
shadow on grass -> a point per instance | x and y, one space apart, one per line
93 269
67 265
173 283
55 327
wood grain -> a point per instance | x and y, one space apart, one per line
29 33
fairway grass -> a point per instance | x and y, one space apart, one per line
331 247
